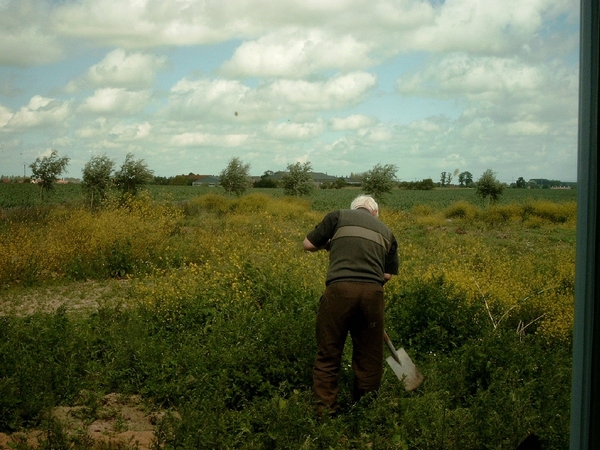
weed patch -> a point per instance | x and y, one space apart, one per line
215 324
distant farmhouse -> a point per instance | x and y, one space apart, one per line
207 180
319 178
544 183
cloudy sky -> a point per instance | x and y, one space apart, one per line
427 85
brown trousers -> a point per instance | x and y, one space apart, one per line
357 308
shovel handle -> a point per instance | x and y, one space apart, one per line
390 346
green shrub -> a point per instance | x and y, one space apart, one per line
461 210
422 210
432 316
251 203
551 211
498 214
217 204
41 365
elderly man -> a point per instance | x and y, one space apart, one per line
362 258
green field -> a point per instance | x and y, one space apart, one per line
27 195
203 306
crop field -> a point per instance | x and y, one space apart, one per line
28 195
202 307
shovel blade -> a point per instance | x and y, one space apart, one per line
406 372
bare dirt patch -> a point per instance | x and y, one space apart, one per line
85 296
117 420
113 418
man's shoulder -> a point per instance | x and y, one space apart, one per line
333 214
365 219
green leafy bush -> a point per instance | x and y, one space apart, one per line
462 210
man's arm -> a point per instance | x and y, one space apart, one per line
310 247
320 237
387 277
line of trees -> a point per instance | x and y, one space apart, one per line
100 176
378 182
297 180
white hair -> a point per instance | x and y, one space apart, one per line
367 202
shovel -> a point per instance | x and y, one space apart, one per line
403 366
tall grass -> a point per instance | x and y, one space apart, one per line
217 325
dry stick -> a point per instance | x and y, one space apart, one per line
522 300
494 323
521 329
486 303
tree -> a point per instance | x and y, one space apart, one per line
443 179
449 177
379 180
96 180
465 179
489 187
521 183
298 180
425 185
47 171
234 178
180 180
266 181
340 183
132 175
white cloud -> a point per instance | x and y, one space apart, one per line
485 78
295 131
489 78
336 93
527 128
476 128
40 112
214 100
492 27
503 96
131 132
144 23
91 130
25 38
116 101
111 20
28 46
221 99
197 139
376 134
352 122
288 38
122 69
296 53
5 116
425 126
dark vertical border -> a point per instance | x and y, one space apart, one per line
585 402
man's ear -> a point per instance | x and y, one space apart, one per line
375 213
